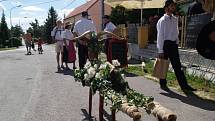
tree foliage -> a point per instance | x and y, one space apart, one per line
35 29
16 31
50 23
118 15
4 31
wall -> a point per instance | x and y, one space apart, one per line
95 12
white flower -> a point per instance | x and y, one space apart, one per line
87 65
115 63
98 76
103 66
123 76
86 77
143 65
91 71
110 66
96 66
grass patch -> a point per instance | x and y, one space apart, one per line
206 89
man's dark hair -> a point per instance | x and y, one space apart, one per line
106 17
168 2
84 14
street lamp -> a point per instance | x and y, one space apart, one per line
11 11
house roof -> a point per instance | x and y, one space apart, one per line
81 8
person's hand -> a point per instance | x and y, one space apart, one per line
160 55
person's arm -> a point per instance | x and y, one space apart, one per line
53 34
160 37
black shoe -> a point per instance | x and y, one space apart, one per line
165 88
188 88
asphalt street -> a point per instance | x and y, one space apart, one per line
31 89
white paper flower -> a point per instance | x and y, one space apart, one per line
110 66
87 65
98 76
143 65
96 66
91 71
86 77
115 63
103 66
123 76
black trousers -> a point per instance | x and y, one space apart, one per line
82 55
170 49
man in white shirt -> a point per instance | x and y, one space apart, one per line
81 27
110 27
167 44
57 37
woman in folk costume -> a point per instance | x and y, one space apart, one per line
69 49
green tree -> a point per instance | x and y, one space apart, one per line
4 31
50 23
34 29
16 31
118 15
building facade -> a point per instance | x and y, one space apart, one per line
94 10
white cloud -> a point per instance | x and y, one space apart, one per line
33 8
64 11
24 22
26 13
2 7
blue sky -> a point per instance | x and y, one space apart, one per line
31 9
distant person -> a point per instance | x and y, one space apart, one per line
69 48
110 27
40 48
57 38
82 26
27 37
167 43
196 7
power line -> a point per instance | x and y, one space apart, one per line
68 5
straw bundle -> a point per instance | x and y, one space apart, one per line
161 113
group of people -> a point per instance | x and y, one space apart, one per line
63 37
29 43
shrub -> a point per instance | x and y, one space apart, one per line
14 42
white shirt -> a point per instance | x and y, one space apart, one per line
167 28
57 32
67 35
110 27
83 26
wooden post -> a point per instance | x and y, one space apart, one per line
90 103
101 107
113 115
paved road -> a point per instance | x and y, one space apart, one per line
32 90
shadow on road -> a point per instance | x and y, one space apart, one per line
107 116
192 99
134 61
130 74
66 72
87 116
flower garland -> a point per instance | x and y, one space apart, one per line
109 80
